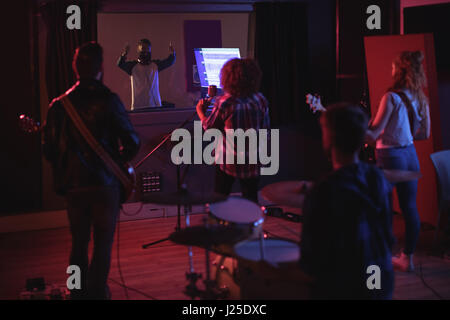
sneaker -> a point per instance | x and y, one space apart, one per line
403 262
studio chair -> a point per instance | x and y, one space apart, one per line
441 162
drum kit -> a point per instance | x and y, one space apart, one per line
233 230
247 266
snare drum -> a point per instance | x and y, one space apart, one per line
238 213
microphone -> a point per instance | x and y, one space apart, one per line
212 91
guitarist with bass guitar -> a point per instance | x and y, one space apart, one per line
87 128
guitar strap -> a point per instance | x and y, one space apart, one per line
409 108
93 143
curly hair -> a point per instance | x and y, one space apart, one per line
409 74
240 77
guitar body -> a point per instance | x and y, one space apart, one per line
127 190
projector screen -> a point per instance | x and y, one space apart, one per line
210 61
115 30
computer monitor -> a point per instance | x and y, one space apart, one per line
210 61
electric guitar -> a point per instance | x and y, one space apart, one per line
29 125
315 104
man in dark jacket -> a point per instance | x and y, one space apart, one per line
92 191
347 230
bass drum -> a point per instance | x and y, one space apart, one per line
225 271
246 278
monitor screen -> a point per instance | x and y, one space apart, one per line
210 62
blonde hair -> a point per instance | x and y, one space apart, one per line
409 74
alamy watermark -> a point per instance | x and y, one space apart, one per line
374 279
74 280
256 151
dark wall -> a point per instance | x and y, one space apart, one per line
322 48
435 19
21 156
301 154
351 80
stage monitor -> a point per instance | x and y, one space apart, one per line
210 62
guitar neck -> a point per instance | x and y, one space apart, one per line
315 103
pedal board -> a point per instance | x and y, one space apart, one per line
51 292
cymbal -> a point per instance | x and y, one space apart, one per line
287 193
184 197
396 176
207 236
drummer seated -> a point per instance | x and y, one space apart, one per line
347 217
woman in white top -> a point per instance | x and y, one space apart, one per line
392 131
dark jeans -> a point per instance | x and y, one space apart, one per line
224 183
96 207
404 158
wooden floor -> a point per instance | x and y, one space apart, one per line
159 271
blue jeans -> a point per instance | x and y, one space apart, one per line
94 208
404 158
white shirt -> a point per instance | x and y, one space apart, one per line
397 132
145 86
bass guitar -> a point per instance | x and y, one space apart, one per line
128 176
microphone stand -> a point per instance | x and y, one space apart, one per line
179 190
164 140
192 276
